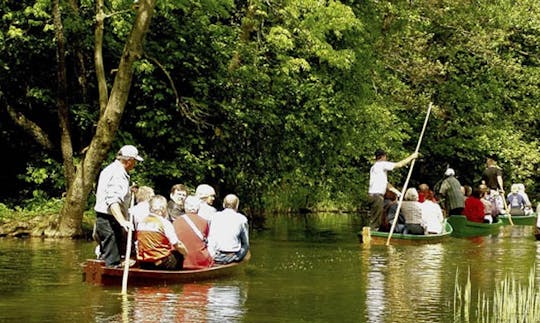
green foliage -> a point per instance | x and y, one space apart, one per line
284 102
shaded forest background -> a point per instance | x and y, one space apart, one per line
280 102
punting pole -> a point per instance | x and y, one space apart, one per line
128 250
408 176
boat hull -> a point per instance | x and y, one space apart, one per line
95 272
464 228
519 219
379 237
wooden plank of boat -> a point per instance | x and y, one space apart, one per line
380 237
95 272
519 219
464 228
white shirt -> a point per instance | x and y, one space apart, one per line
378 177
206 211
140 211
225 230
433 217
112 187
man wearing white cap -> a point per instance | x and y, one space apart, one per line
454 200
112 202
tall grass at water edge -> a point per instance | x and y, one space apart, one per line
511 302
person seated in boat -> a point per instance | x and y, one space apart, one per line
158 244
389 213
450 190
423 190
412 212
194 232
207 195
228 239
175 206
432 215
488 207
528 205
474 208
140 210
516 201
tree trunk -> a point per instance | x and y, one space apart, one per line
75 202
61 97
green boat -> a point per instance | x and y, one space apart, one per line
519 219
464 228
380 237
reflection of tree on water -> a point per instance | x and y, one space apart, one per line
226 303
404 282
197 302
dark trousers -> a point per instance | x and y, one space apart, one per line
376 205
112 239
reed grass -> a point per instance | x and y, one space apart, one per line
510 302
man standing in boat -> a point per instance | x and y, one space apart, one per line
112 201
492 178
378 183
450 190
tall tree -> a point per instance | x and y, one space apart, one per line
75 202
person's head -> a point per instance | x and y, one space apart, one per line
449 172
231 201
514 188
380 154
477 192
411 194
521 187
144 193
192 204
158 205
178 193
206 193
389 195
423 187
483 187
129 156
491 160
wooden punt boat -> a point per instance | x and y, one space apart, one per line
95 272
380 237
519 219
464 228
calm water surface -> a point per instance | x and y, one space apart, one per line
303 269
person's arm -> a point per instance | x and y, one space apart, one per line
406 161
116 210
500 182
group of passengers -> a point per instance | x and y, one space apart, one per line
185 232
421 213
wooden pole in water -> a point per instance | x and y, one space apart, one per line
128 249
408 176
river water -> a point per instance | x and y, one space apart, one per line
304 268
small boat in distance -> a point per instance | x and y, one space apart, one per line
464 228
95 272
519 219
380 237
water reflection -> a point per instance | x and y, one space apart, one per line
304 269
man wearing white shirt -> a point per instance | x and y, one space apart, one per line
228 239
378 183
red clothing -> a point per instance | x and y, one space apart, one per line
474 209
198 255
